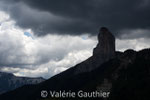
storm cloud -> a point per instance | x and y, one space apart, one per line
76 17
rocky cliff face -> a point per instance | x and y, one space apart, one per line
106 44
104 51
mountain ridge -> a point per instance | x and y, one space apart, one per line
105 77
9 82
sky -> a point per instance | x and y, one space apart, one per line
40 38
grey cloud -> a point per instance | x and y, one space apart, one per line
134 33
80 16
136 44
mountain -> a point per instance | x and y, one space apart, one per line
123 75
127 77
10 82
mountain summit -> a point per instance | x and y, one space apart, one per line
106 44
104 51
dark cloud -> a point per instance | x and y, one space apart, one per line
79 16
